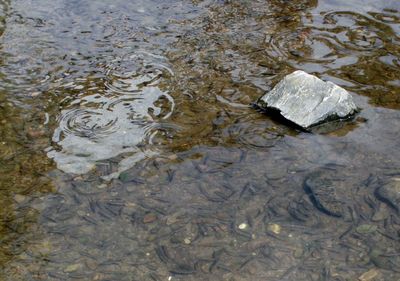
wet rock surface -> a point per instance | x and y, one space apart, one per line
307 101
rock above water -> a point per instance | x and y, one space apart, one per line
306 100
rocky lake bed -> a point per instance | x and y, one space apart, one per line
129 149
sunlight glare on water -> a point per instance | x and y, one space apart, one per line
102 126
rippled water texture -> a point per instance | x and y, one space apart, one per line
129 149
115 121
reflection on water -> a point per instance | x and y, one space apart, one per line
104 125
129 150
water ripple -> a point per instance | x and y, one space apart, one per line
134 71
257 135
354 31
122 120
92 124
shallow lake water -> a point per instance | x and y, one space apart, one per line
130 149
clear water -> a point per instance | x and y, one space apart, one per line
129 149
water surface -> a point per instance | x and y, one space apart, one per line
129 149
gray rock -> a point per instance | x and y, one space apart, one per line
390 193
306 100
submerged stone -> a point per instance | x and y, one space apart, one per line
369 275
149 218
366 228
390 193
306 100
322 193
